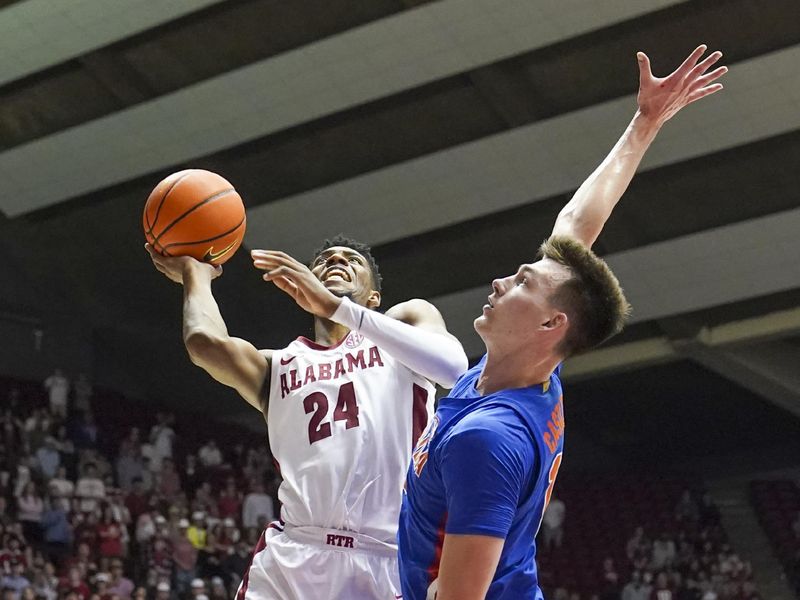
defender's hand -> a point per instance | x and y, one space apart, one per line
297 280
661 97
175 267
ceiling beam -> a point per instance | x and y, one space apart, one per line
38 34
376 60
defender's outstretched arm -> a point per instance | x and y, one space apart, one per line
231 361
659 100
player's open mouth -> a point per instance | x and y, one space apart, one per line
336 274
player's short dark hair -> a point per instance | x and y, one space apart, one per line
362 249
592 298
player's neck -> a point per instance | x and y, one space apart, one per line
504 371
328 333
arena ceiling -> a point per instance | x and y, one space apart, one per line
447 134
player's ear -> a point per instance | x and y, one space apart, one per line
556 321
374 299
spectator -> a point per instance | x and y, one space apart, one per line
196 533
86 433
57 531
230 500
57 386
553 524
661 590
663 552
610 587
192 477
686 509
218 591
258 508
30 507
109 533
66 451
83 393
163 591
636 589
169 483
90 490
15 580
48 458
119 585
62 488
162 437
129 466
138 500
236 563
184 556
198 588
210 455
204 500
73 584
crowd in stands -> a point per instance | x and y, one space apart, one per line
777 505
118 504
684 557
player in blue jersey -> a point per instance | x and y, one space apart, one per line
483 471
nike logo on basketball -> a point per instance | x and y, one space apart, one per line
286 361
211 256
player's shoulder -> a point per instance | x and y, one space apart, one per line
491 425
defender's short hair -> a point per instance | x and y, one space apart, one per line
592 297
362 249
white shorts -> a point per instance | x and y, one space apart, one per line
311 563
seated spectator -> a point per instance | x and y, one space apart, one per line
218 591
661 589
191 476
163 591
230 500
109 534
90 490
210 455
66 451
129 466
119 585
162 438
636 589
204 500
85 433
73 584
258 508
138 500
686 509
169 484
15 580
663 552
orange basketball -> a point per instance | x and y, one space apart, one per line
195 213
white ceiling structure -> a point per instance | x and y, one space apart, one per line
345 70
517 167
38 34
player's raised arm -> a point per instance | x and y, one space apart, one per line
231 361
413 332
659 99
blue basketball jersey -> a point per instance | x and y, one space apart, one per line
486 465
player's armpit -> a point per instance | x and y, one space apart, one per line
467 566
233 362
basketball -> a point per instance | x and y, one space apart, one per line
195 213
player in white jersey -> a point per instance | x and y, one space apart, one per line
343 412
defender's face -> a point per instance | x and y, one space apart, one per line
344 272
519 308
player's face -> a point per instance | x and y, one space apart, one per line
346 272
518 311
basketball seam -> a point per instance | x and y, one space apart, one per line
192 209
208 240
161 203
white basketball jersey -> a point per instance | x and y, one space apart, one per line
342 423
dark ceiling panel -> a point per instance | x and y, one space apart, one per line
703 193
209 42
